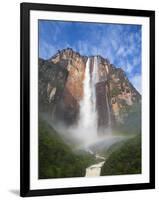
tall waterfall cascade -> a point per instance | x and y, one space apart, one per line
88 114
108 110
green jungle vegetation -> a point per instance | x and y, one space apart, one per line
56 158
123 158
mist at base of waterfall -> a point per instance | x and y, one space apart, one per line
88 140
82 139
101 142
105 142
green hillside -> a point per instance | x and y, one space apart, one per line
56 159
125 159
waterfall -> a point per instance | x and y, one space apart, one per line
108 109
88 113
94 81
87 128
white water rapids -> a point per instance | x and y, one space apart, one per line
95 170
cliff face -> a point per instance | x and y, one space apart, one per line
61 88
61 85
122 94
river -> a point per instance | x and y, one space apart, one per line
95 169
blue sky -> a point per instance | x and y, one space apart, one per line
120 44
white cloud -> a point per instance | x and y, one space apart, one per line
136 61
46 50
114 44
117 43
82 47
129 68
120 51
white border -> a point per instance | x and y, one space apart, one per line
86 181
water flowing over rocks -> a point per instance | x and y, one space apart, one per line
94 170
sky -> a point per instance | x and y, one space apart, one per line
119 43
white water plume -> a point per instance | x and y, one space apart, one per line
87 127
